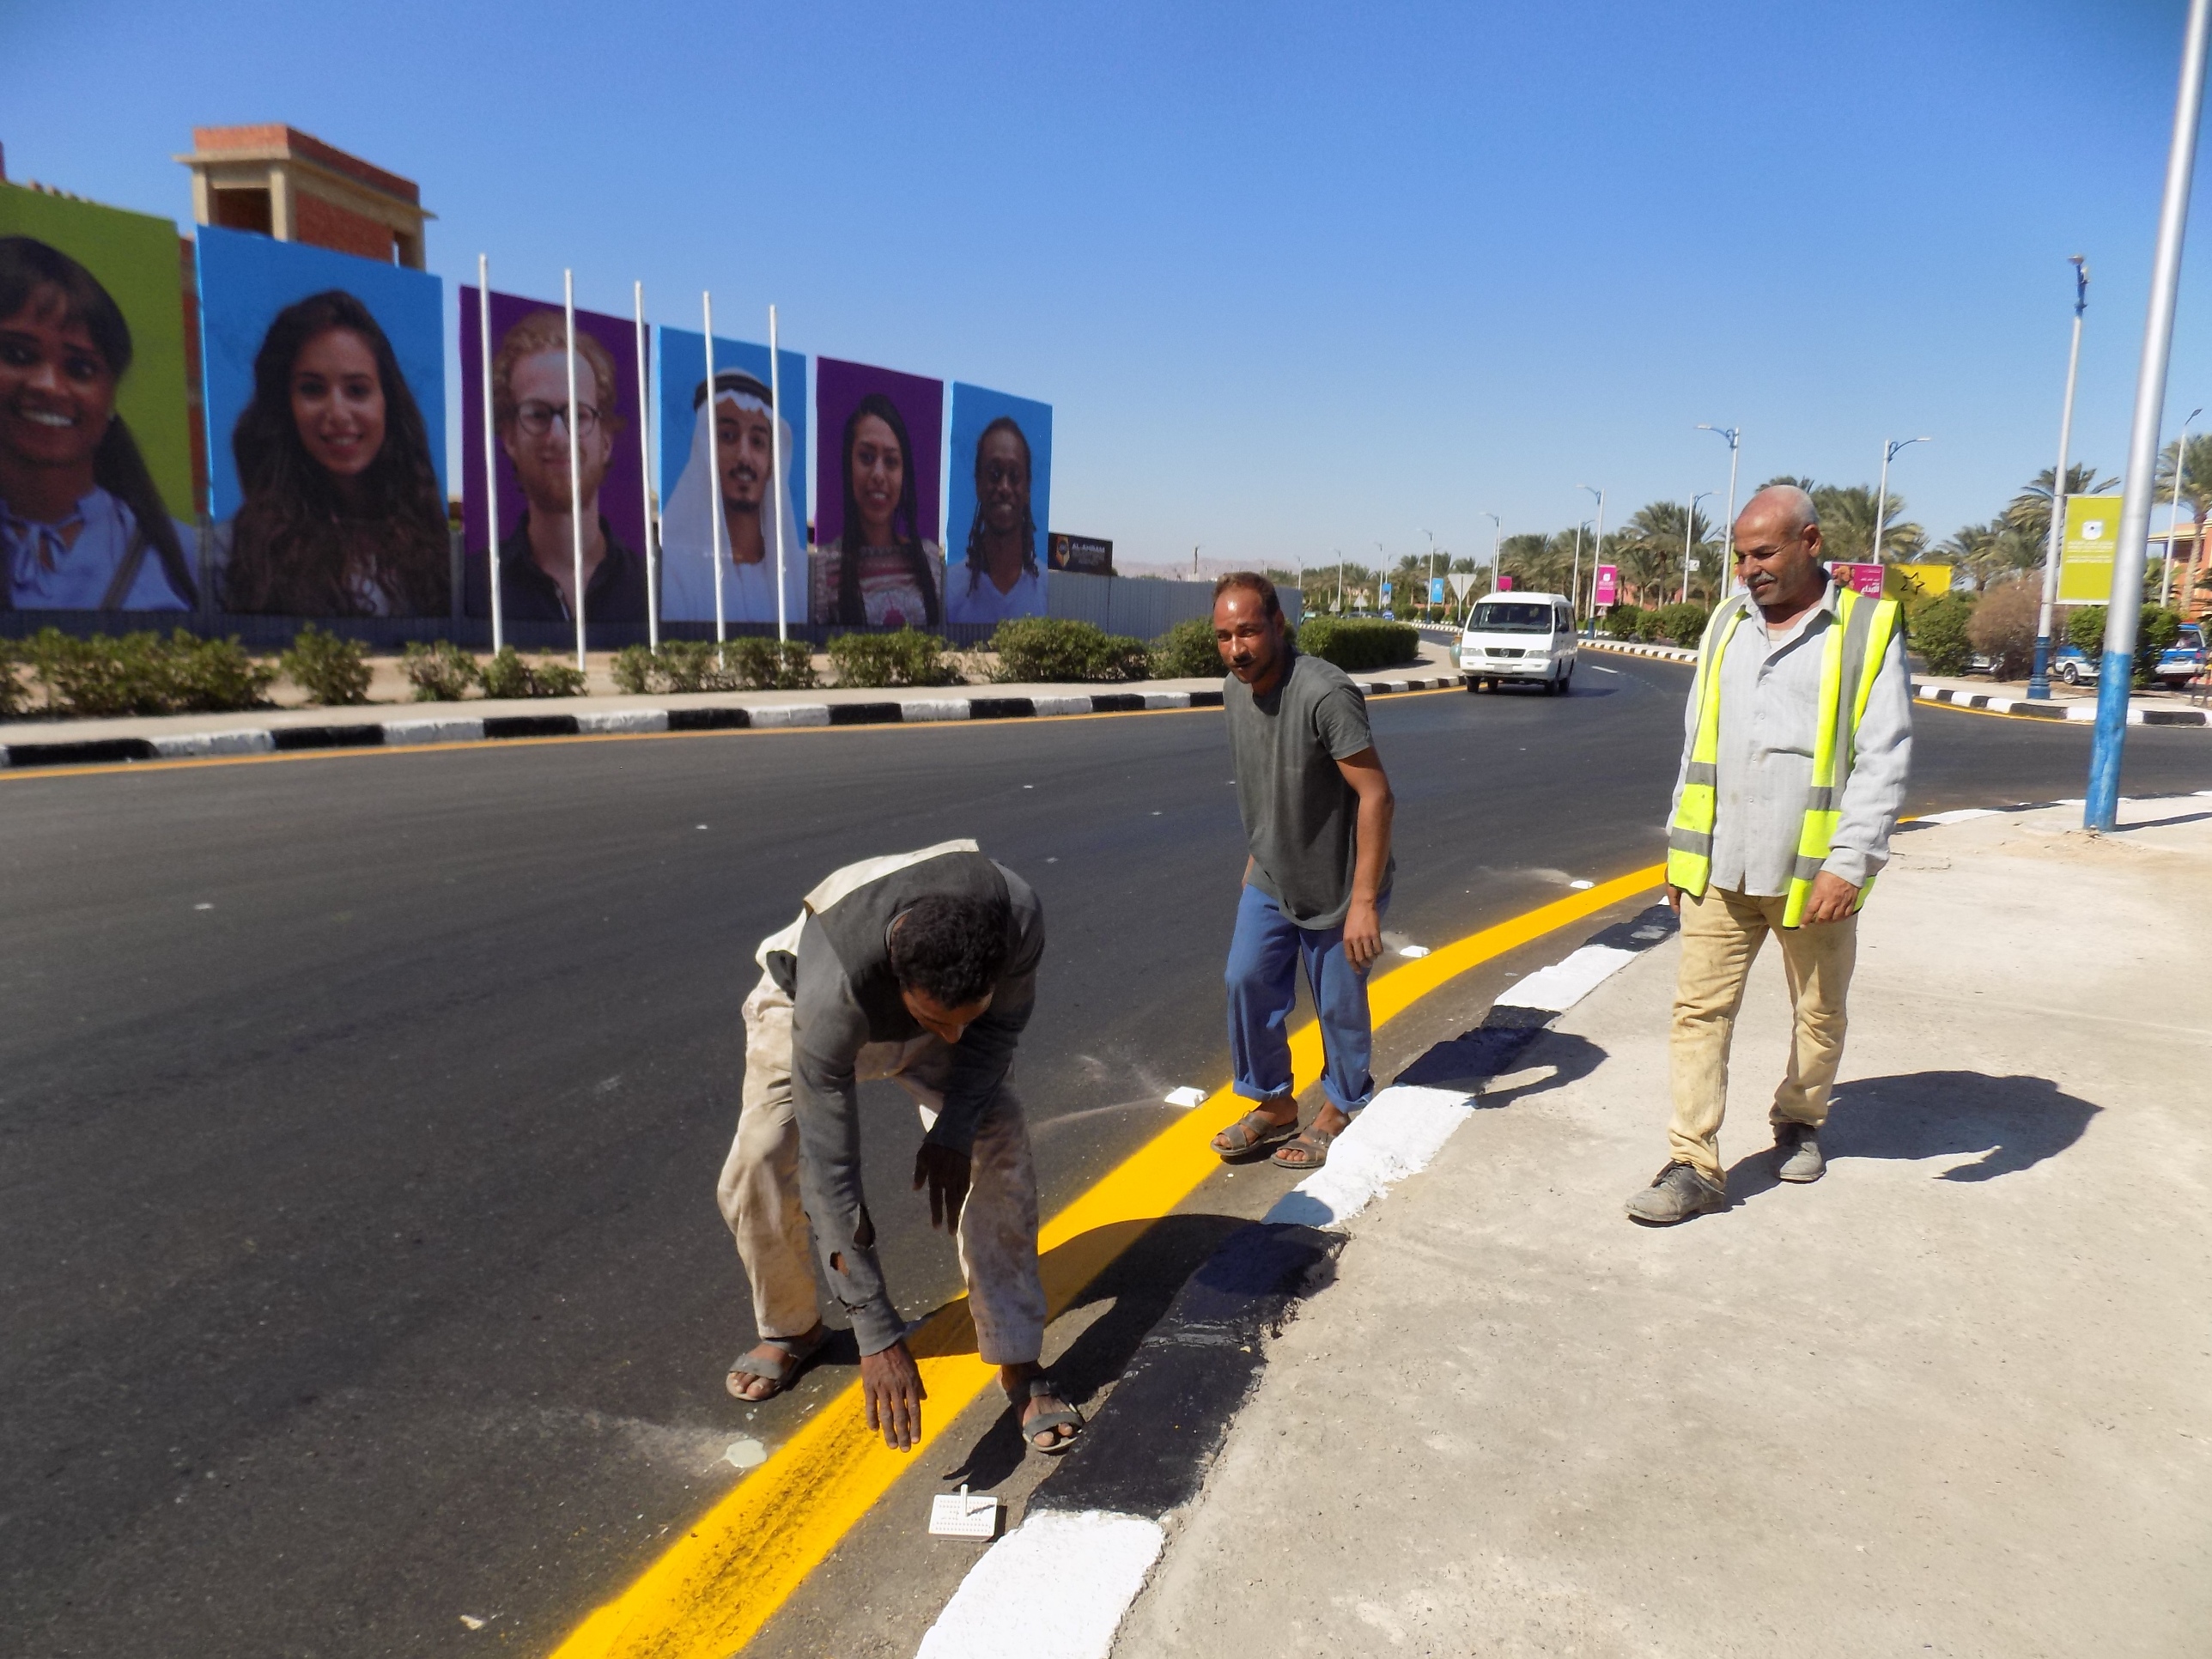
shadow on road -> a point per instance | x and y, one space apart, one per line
1474 1058
2014 1123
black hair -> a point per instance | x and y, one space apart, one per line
1255 582
952 949
850 611
1004 423
28 264
291 544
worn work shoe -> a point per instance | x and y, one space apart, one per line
1797 1153
1678 1192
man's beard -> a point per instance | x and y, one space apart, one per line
548 490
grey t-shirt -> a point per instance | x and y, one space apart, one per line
1299 814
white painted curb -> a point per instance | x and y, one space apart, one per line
624 720
186 746
1400 1131
1054 1587
1557 988
449 731
791 714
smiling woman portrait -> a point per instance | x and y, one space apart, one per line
83 526
878 571
342 514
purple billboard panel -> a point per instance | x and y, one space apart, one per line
879 445
531 421
1608 585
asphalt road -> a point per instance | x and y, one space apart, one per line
362 1113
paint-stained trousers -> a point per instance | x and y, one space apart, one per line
1722 934
759 1191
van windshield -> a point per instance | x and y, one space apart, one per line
1510 618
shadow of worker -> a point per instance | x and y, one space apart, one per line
2001 1125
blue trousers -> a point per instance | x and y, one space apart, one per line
1265 955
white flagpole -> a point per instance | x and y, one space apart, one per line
491 447
645 485
714 477
775 469
575 463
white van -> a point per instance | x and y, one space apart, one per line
1519 636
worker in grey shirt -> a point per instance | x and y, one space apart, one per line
1797 741
1316 807
919 966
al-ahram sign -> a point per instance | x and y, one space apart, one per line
2093 536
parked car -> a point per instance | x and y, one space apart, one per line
1525 637
2073 665
2184 660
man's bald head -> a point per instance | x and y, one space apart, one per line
1783 508
1777 551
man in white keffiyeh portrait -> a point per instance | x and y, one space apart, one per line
738 423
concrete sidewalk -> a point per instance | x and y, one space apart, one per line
1952 1399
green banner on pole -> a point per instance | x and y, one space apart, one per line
2093 535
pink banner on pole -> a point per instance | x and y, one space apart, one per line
1609 585
1505 584
1859 578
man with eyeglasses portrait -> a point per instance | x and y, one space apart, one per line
530 406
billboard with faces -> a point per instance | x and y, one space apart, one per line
997 506
95 439
878 436
735 423
326 396
531 422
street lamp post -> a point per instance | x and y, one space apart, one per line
1496 541
1340 579
1881 491
2038 678
2173 517
1428 604
2116 675
1597 552
1690 540
1735 436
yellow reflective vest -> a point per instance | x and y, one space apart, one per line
1850 655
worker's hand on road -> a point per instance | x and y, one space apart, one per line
891 1383
1674 898
1831 899
1363 933
945 1172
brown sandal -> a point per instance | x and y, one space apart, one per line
1308 1152
1252 1133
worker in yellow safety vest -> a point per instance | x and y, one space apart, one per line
1796 743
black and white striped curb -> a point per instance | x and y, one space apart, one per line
493 728
1058 1585
2139 713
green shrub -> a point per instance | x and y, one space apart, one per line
633 670
1187 652
507 675
145 674
760 664
1678 624
906 657
2156 629
15 698
1939 634
328 669
1355 644
440 671
1623 622
1048 650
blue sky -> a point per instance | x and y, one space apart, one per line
1294 278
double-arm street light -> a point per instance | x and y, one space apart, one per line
1882 492
1497 542
1735 436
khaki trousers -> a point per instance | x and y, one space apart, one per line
1722 934
759 1191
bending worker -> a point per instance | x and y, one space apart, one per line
1797 740
919 966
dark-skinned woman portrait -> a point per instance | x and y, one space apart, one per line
343 515
878 571
82 525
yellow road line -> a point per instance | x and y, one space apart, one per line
139 768
714 1588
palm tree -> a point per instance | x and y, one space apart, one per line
1989 552
1847 519
2029 512
1653 565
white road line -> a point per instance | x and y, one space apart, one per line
1557 988
1054 1587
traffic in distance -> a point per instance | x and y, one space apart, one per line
1519 639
